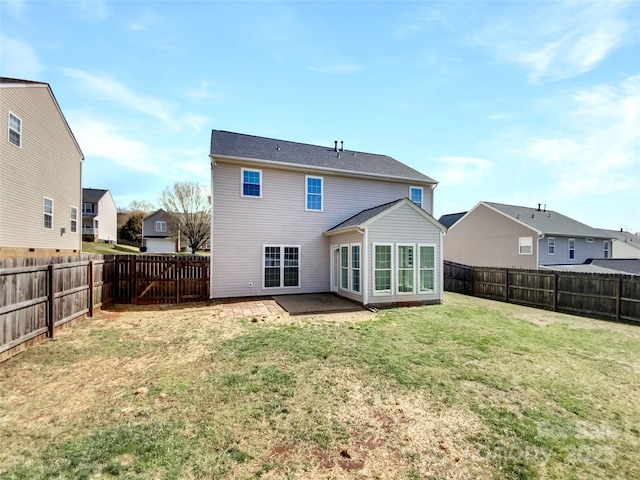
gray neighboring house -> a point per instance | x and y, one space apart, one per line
158 235
99 216
290 218
40 174
499 235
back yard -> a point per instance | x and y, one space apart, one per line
469 389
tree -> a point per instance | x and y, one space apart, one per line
132 228
141 206
188 211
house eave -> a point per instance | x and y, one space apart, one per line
307 168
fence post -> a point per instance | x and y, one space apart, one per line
178 275
506 285
91 288
51 319
555 292
618 298
133 280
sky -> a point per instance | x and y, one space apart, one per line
519 102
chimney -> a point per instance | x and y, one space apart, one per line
341 145
335 145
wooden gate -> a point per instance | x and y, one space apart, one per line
158 279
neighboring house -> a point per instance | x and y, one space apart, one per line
498 235
99 216
291 218
625 244
40 174
157 234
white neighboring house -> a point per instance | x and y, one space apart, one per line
158 235
40 174
625 244
291 218
99 216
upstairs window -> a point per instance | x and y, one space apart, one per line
314 193
607 249
251 183
525 245
15 130
47 213
551 246
161 226
572 249
87 208
74 220
415 194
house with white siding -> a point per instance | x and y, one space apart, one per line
292 218
99 216
511 236
158 234
40 174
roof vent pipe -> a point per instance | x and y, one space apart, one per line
341 145
545 208
335 145
538 207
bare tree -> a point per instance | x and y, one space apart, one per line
141 206
188 211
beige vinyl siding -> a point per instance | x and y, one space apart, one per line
242 225
415 230
48 164
485 237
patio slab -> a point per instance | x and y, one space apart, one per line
308 303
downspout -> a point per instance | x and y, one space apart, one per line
364 266
540 237
441 262
211 246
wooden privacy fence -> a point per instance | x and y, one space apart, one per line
605 296
39 295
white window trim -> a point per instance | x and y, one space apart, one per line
551 243
397 252
242 170
525 242
435 268
391 267
607 249
72 219
421 204
350 267
161 226
44 213
569 249
282 247
306 193
9 130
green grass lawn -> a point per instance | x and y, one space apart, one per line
108 248
469 389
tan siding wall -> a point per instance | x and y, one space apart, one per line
48 164
242 225
415 230
486 238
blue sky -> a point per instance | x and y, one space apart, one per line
514 102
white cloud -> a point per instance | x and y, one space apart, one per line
15 7
196 121
19 60
92 10
559 40
105 87
338 68
462 170
600 147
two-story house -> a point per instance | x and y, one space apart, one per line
158 235
40 174
99 216
509 236
292 218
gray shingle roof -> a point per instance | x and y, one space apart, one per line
623 237
92 195
238 145
451 218
547 221
365 215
